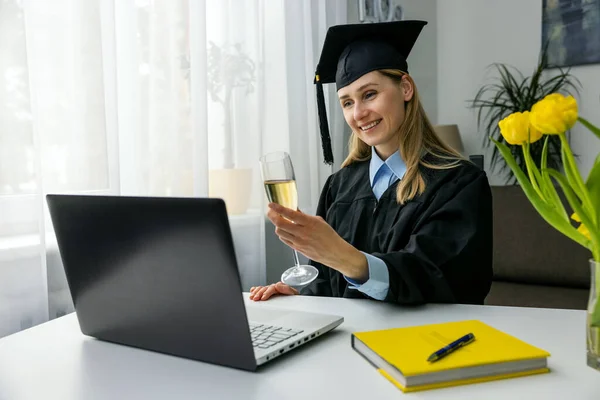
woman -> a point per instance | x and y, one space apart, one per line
406 219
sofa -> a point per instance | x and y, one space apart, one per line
534 265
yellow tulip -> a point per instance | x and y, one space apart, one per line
584 231
516 129
582 228
554 114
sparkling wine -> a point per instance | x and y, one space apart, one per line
283 193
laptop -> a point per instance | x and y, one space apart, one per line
160 273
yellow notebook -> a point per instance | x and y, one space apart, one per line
401 354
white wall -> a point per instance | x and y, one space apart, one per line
423 59
471 35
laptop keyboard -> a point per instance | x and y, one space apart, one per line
265 336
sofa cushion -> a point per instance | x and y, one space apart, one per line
528 250
525 295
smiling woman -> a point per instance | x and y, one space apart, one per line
406 219
370 107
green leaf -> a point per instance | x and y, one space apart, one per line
574 177
548 185
534 175
520 175
569 172
595 315
576 205
593 187
595 130
547 213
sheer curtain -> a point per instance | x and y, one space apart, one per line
150 97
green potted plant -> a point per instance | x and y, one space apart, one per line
512 92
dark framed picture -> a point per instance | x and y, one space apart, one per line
385 10
398 13
379 11
367 11
571 29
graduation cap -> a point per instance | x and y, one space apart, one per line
352 50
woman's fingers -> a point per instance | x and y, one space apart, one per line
282 223
296 217
285 289
284 234
287 242
259 293
271 290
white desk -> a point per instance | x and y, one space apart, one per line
55 361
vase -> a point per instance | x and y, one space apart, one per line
593 318
233 185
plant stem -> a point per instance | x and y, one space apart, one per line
595 327
547 184
574 203
581 188
593 314
530 165
591 127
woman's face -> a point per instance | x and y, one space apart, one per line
373 107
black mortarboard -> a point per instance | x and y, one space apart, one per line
350 51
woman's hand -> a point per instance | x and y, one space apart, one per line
313 237
259 293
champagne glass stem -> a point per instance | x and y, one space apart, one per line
296 260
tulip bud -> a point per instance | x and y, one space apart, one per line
517 130
554 114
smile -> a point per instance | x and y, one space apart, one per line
370 126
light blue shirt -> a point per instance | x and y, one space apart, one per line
382 175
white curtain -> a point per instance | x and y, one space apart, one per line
150 97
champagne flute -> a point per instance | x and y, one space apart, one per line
280 185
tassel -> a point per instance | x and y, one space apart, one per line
325 138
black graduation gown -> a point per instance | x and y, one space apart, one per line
437 247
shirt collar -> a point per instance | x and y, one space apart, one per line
394 162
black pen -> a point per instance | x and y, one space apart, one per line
457 344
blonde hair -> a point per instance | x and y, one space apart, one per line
417 139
